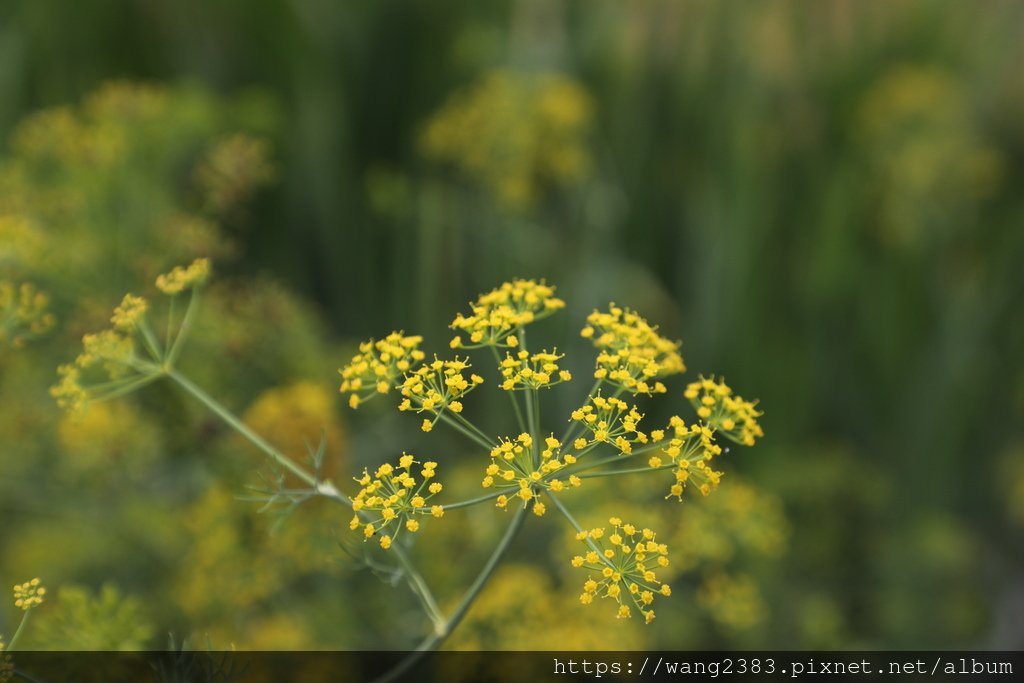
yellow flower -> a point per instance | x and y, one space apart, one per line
182 277
532 371
610 420
623 570
391 499
378 365
514 133
632 355
128 314
29 594
437 386
731 415
499 314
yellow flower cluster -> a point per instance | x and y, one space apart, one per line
184 277
733 416
128 314
29 594
378 365
109 349
23 313
499 314
514 133
613 421
690 449
514 465
632 353
532 371
394 494
624 566
438 386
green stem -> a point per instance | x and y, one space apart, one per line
127 387
417 583
186 325
17 633
471 501
570 431
473 428
240 427
434 641
632 470
575 525
458 427
149 339
511 394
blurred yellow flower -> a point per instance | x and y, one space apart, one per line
514 132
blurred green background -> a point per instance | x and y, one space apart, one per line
821 199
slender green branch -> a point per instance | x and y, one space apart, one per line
473 428
632 470
123 388
149 340
416 582
572 521
240 427
17 634
458 427
570 431
183 330
471 501
434 641
511 394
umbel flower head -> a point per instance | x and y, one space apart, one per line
498 315
436 387
623 566
23 313
532 469
129 354
29 594
526 466
633 356
390 500
731 415
378 365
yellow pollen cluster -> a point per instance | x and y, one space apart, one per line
129 312
623 567
532 371
610 420
499 314
733 416
632 353
525 466
690 449
29 594
23 313
378 365
390 500
184 277
438 386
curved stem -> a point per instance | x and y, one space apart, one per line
434 641
18 632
